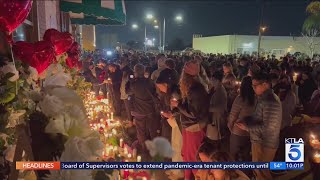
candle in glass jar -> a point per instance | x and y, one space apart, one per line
138 158
121 143
134 153
316 157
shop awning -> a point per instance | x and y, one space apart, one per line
94 12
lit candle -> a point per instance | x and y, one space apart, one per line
129 156
134 153
114 131
111 115
138 158
121 143
144 178
125 151
316 157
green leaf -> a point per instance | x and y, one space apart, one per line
313 21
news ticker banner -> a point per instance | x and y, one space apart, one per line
37 165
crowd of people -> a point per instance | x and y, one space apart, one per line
211 108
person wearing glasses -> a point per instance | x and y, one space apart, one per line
265 123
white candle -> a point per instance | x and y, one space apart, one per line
125 151
144 178
121 142
138 158
111 115
134 153
129 156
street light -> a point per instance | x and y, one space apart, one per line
179 18
149 16
155 21
134 26
261 30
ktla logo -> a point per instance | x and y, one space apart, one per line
294 150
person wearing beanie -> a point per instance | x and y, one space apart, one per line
194 114
143 96
161 59
167 85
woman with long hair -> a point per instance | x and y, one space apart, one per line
194 111
207 154
243 106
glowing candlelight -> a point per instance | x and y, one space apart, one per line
138 158
111 115
129 156
121 142
144 178
316 157
134 153
174 99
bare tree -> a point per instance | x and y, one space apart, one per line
312 39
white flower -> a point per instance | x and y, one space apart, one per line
69 96
33 73
82 149
59 79
76 112
51 105
70 126
9 153
16 118
35 96
10 68
159 146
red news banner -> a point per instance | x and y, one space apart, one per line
38 165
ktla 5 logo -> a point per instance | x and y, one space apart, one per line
294 150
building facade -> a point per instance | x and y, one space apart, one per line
245 44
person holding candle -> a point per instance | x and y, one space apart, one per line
171 127
242 106
114 80
194 114
265 123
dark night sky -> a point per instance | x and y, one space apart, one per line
211 17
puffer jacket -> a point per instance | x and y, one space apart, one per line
265 125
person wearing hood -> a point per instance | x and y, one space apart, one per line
161 59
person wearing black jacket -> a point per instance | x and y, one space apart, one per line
143 93
115 76
127 73
194 110
171 127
